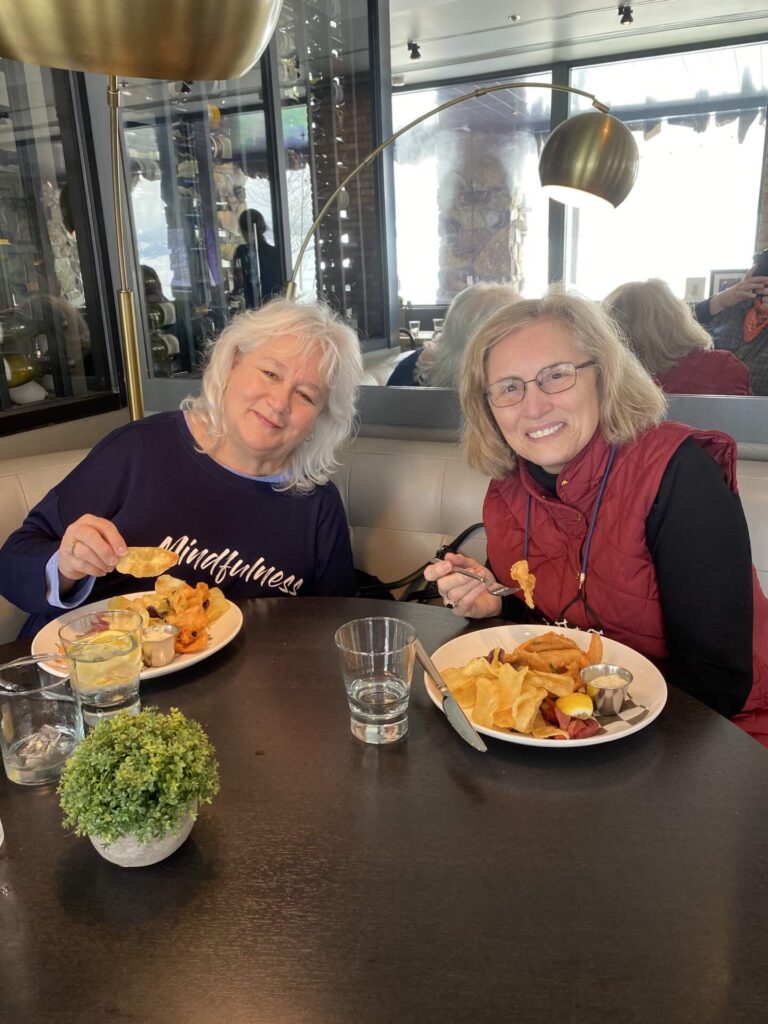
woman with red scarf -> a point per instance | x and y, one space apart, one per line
631 525
737 319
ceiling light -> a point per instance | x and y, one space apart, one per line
625 15
413 49
513 17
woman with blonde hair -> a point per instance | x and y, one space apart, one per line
631 526
236 482
437 364
662 332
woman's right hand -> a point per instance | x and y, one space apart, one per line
468 598
744 291
90 547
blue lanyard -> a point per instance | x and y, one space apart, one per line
592 522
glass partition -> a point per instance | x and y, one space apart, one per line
202 206
204 178
52 337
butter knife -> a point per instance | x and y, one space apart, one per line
451 708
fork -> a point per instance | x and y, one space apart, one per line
496 589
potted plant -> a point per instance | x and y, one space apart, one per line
133 785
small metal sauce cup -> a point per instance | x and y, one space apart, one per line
158 650
608 700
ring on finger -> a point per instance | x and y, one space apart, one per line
449 604
71 547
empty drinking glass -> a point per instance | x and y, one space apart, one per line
40 721
377 657
414 326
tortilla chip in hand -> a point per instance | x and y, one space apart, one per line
142 562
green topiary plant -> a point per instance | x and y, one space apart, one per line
137 775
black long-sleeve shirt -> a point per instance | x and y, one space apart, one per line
699 542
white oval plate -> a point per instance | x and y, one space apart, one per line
648 691
221 632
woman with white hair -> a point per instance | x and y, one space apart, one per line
236 482
437 365
631 526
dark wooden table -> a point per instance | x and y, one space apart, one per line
336 882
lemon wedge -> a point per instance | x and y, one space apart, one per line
577 705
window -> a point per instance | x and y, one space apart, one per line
469 206
699 122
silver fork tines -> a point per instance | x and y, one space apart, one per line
496 589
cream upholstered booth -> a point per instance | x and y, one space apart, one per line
23 482
404 498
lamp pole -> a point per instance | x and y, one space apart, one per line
291 288
126 307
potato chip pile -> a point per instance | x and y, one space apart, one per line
192 609
506 689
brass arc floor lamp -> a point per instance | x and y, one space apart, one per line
591 156
179 40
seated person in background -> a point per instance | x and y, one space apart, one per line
737 319
437 364
630 525
237 482
256 266
674 349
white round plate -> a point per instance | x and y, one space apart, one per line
222 631
648 691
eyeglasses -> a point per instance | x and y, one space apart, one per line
551 380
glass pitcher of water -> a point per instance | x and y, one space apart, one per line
40 721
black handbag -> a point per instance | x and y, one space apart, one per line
416 587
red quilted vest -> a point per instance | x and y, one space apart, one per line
621 586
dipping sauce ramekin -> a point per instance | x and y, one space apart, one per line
608 687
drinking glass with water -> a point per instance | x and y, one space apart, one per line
377 656
103 650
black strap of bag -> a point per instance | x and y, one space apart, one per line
417 588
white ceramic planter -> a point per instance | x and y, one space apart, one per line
128 852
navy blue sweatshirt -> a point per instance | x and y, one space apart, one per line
230 531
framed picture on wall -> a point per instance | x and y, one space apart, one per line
719 280
694 289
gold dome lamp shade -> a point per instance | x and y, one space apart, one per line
193 40
187 40
590 159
